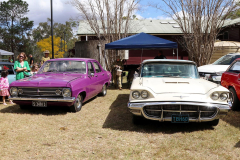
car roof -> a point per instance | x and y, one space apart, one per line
7 63
168 60
72 59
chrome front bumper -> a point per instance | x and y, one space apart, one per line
137 109
70 99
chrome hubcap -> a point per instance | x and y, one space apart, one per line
78 102
104 89
231 97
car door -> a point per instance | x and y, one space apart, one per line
100 75
233 76
92 81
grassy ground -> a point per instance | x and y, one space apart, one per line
103 130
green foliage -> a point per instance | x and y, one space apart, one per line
14 26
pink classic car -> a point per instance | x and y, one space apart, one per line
61 82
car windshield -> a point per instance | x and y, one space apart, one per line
174 70
226 60
63 66
6 67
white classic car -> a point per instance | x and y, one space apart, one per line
171 90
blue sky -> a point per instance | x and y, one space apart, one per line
148 12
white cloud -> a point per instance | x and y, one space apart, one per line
40 10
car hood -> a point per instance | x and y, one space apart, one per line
46 80
211 68
178 85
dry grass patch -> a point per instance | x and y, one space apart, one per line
103 130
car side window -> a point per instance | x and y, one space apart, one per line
97 68
90 68
235 67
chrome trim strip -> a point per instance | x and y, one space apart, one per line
70 99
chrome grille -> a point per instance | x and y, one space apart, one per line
166 111
42 92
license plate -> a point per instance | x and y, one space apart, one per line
39 103
180 118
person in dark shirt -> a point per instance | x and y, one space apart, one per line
160 56
31 60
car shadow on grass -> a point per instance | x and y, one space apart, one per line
119 118
232 118
35 110
237 145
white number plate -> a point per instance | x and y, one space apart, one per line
39 103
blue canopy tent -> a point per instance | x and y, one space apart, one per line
141 41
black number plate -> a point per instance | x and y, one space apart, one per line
180 118
39 103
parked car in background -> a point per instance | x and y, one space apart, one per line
12 73
213 72
62 82
231 80
171 90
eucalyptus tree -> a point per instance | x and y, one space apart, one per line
200 22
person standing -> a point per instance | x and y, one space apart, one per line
10 60
4 85
31 61
46 57
160 55
21 66
117 65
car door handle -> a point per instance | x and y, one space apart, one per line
103 74
96 75
238 79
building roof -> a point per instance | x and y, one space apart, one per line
137 26
156 27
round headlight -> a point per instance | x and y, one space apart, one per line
136 94
58 92
66 92
20 91
144 94
215 96
14 91
224 96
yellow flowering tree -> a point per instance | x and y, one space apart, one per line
46 44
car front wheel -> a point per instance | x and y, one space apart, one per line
77 106
234 99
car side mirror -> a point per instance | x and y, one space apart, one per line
92 74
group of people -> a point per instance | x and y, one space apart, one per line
23 69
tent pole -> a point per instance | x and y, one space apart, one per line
173 53
177 53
